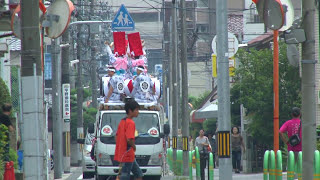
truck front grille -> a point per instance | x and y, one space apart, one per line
142 160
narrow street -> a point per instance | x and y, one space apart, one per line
76 174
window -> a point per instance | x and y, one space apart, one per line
203 28
254 16
202 3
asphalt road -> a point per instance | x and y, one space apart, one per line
76 174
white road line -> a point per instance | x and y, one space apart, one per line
80 177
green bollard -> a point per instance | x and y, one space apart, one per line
197 164
316 174
179 166
266 165
170 158
167 157
190 165
290 170
279 165
211 167
272 170
299 166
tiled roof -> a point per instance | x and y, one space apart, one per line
261 38
235 23
14 44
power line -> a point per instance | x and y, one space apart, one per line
169 8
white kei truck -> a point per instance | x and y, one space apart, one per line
150 130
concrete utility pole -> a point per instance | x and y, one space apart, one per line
56 108
93 60
65 54
212 17
224 119
165 59
170 81
79 94
184 110
32 93
174 82
308 90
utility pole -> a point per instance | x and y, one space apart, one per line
32 93
93 59
308 90
170 80
165 60
184 111
174 82
66 80
56 108
224 119
212 18
79 94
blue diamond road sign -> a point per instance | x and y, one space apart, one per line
122 21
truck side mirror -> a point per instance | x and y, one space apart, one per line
166 129
91 128
80 141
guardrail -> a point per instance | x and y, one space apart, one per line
177 167
272 166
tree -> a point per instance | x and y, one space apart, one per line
253 88
4 98
209 125
89 114
4 93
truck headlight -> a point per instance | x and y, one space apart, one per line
104 159
155 159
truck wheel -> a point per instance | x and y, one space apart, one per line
87 175
100 177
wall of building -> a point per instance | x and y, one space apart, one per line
199 78
5 67
252 28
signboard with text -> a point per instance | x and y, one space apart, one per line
66 102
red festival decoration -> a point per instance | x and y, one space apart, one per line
119 39
135 44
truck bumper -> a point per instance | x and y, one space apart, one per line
112 170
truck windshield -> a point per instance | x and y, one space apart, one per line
147 127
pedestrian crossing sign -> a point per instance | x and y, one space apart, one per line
123 21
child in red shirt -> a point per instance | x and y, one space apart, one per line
125 143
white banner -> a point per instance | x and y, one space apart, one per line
66 102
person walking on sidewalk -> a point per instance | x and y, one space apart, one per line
237 143
125 143
202 143
291 127
213 149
